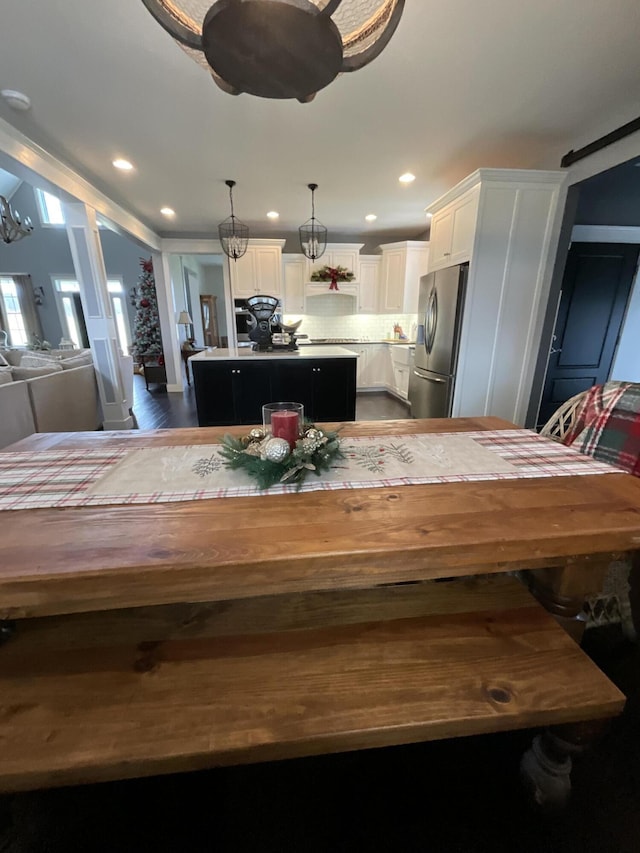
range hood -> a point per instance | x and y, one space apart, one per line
318 299
320 289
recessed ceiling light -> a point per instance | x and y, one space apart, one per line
273 214
124 165
167 211
407 178
17 100
371 217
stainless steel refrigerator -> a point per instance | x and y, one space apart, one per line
433 376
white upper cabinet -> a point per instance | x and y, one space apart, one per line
402 266
294 268
452 231
259 270
368 291
338 255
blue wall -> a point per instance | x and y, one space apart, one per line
46 253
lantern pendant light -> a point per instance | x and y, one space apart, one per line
234 235
313 234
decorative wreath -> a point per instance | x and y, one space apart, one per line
270 460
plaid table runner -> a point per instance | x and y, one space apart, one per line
68 478
607 425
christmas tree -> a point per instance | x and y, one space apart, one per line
146 333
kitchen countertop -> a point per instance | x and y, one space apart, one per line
244 353
347 343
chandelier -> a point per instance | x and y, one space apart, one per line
313 234
279 48
12 227
234 235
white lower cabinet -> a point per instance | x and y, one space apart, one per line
362 377
383 366
402 364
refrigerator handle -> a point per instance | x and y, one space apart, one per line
428 378
432 321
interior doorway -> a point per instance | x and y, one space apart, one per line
596 285
209 317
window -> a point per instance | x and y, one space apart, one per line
68 293
51 212
12 313
116 291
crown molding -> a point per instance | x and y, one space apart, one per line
33 164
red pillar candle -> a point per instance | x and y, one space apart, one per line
285 425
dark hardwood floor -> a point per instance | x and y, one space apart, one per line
157 409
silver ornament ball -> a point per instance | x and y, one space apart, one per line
276 450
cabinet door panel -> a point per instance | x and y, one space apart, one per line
464 224
440 239
369 286
294 271
334 390
393 282
243 275
268 275
291 382
251 390
213 385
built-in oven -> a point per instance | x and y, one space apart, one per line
244 320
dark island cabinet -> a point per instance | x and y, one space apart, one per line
233 392
326 387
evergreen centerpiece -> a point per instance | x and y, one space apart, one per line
332 274
271 461
146 334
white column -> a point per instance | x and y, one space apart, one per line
168 326
86 251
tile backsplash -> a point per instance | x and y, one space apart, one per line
330 321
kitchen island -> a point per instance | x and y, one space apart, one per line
232 385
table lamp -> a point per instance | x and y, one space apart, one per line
185 320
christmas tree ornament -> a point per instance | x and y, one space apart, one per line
276 450
256 434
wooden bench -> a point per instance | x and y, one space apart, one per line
127 693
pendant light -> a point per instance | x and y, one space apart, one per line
313 234
234 235
279 48
12 226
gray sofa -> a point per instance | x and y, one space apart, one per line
33 400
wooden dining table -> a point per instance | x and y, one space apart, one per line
164 637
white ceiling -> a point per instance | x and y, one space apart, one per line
462 84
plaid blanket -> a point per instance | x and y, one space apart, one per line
607 426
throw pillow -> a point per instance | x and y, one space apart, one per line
5 375
3 361
21 372
36 360
76 361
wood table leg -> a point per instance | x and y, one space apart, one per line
545 768
562 591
